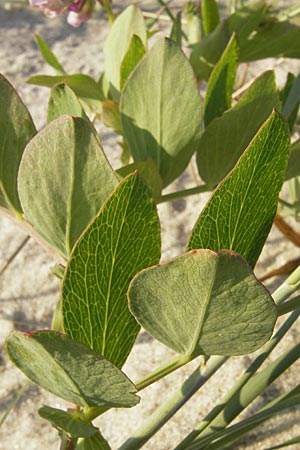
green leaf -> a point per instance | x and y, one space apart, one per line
64 178
234 433
241 211
129 23
247 19
254 387
204 303
161 110
82 85
16 130
95 442
221 82
123 239
208 51
70 370
226 137
134 54
71 423
274 40
64 101
111 116
290 97
148 171
293 168
210 16
48 55
293 441
176 32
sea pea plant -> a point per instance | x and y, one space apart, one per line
104 228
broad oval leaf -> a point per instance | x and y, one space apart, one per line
161 110
123 239
71 423
64 178
16 130
204 303
70 370
226 137
117 44
241 211
64 101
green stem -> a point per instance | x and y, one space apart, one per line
218 412
166 9
288 287
170 15
185 193
12 257
109 11
289 306
92 413
162 414
249 392
162 371
15 401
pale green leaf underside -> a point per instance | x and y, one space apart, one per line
226 137
70 370
241 211
161 110
65 421
127 24
64 101
204 303
16 130
64 178
122 240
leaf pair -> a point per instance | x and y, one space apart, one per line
259 36
123 239
210 303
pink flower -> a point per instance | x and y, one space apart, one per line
80 10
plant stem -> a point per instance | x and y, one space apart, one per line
162 372
109 11
216 415
173 404
249 392
288 287
15 253
15 401
185 193
290 305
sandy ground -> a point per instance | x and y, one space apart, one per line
28 293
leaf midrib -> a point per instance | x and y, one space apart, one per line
198 330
